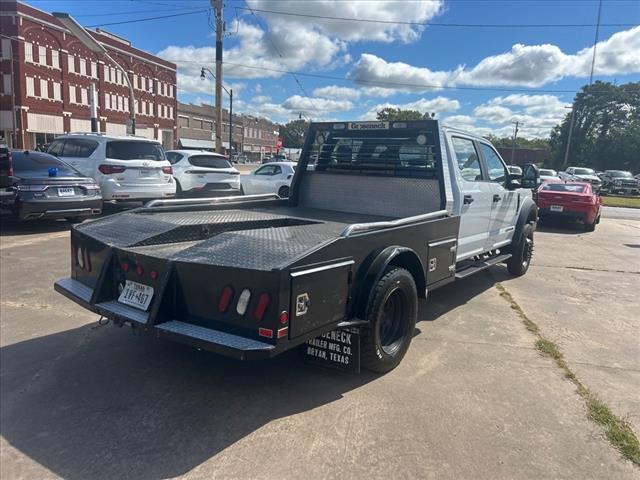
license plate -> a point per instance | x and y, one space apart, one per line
66 192
136 295
557 208
145 172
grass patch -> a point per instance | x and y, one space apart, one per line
629 202
617 430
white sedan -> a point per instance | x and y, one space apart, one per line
203 173
274 177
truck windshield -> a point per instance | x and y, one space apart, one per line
383 147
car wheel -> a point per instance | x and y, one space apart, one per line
522 253
283 192
590 227
391 316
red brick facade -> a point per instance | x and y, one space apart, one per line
46 76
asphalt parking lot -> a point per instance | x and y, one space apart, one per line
472 399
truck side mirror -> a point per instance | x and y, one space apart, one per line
530 176
513 183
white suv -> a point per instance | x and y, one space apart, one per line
126 168
200 172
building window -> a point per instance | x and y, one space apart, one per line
31 91
83 66
197 123
143 83
28 52
183 121
42 55
6 84
94 69
72 94
171 114
72 63
112 75
55 58
85 96
56 91
44 88
119 103
6 48
126 104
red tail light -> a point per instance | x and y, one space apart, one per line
125 267
225 299
153 274
167 170
263 303
284 318
110 169
139 270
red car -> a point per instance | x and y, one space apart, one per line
573 200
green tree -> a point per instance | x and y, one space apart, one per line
293 133
390 114
507 142
606 132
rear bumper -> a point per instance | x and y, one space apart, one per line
585 216
112 190
57 209
223 343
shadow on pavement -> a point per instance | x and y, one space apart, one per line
12 227
558 225
96 402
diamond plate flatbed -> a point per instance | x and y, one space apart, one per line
260 238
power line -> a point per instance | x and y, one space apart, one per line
438 24
146 19
388 83
293 74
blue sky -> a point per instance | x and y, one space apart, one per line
482 79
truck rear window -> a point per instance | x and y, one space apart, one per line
134 150
386 150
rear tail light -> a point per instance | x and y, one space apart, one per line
140 270
167 170
265 332
111 169
124 267
243 301
284 318
153 274
263 303
225 299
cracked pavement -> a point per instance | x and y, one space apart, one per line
472 398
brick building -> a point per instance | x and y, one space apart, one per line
47 75
252 136
196 127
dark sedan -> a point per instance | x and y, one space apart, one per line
49 188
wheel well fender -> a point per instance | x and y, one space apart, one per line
371 272
528 214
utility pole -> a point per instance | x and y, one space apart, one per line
513 145
94 109
566 151
217 5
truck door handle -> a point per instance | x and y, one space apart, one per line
467 200
496 198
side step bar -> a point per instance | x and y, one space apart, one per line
482 265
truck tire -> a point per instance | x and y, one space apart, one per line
521 253
391 316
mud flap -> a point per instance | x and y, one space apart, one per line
338 349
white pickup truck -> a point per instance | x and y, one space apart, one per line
379 214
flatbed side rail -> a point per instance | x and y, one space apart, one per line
182 202
363 227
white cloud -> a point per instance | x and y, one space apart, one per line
423 105
336 92
315 106
373 69
522 66
386 10
261 99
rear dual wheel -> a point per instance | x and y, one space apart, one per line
391 316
